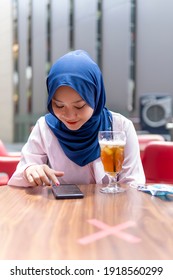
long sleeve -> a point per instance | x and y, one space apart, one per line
33 152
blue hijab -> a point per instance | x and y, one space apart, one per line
77 70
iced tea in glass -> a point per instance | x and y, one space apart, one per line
112 145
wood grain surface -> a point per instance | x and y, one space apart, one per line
130 225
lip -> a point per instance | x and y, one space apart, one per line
72 123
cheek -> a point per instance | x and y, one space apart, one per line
56 111
57 114
88 113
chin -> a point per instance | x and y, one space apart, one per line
73 127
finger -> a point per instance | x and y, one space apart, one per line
36 177
30 179
43 177
30 176
52 174
59 173
55 180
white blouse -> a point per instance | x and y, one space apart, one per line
43 147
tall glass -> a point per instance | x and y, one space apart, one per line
112 145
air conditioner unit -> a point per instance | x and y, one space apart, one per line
155 112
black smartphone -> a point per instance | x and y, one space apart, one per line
67 191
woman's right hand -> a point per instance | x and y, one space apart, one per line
38 175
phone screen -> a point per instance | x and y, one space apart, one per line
67 191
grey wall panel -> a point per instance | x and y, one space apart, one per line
85 26
154 47
60 12
39 52
22 40
116 49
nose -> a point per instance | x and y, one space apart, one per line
69 114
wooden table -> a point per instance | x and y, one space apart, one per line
131 225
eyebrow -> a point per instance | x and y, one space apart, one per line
77 101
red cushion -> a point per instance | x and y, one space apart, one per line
158 162
8 164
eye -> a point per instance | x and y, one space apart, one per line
56 105
80 107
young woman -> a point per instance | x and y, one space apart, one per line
63 145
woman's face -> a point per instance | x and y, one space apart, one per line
69 107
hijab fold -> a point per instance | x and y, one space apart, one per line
78 71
